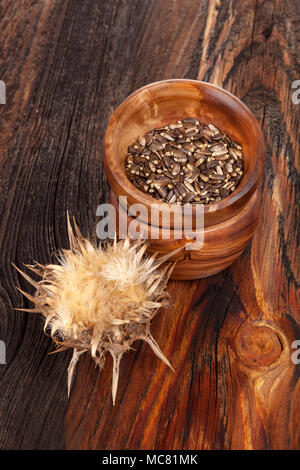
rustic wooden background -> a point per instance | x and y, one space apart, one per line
67 65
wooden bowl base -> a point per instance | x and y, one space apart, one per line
223 242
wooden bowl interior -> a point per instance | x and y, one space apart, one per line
161 103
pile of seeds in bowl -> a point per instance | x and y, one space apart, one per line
187 162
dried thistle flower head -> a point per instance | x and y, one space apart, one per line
100 299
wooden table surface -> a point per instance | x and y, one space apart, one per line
66 66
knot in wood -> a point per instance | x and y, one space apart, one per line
257 346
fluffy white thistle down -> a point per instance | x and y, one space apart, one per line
100 299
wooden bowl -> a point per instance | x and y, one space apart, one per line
229 223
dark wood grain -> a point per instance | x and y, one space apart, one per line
66 66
